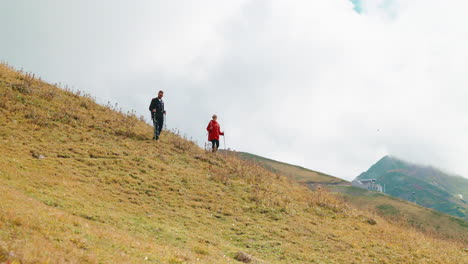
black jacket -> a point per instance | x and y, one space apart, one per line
157 104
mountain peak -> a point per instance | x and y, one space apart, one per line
391 158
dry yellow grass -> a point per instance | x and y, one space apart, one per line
402 212
83 183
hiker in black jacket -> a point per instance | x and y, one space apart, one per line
157 114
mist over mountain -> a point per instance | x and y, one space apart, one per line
424 185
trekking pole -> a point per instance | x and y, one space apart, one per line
224 139
165 122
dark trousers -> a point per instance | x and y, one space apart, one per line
158 125
215 144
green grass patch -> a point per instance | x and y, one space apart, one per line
387 209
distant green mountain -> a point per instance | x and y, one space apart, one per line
423 185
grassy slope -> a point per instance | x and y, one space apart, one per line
398 210
106 193
298 173
395 209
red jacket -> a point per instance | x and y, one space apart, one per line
214 130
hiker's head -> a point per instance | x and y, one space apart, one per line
215 117
160 94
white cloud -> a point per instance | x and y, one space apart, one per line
307 82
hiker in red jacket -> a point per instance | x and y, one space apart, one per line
214 131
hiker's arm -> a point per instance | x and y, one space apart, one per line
151 107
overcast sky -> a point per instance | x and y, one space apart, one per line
330 85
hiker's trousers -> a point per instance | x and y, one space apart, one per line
215 144
158 125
